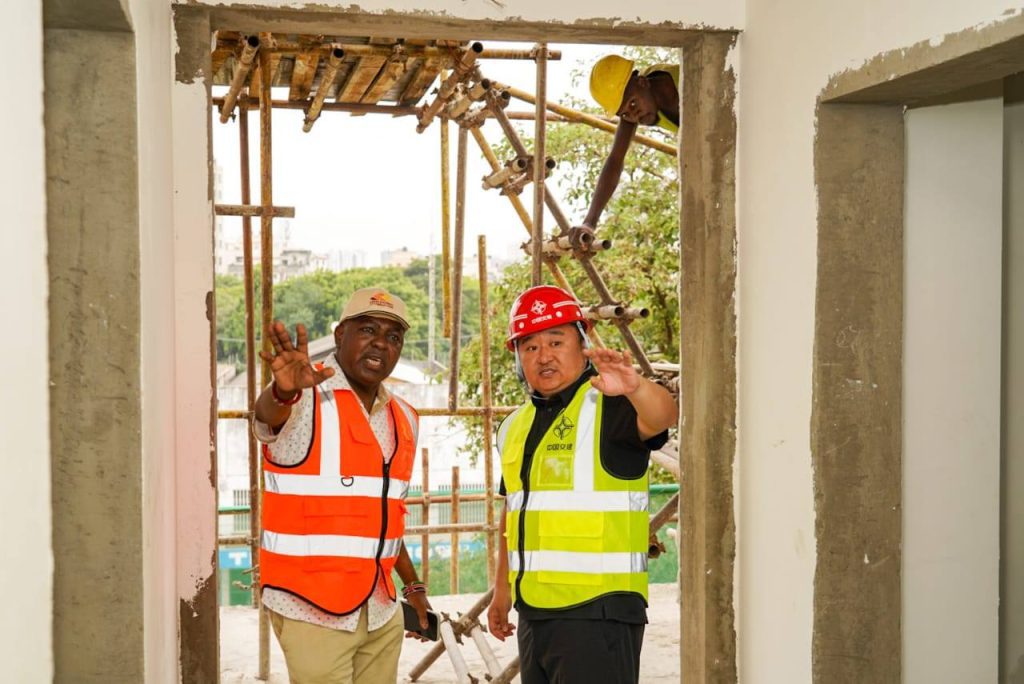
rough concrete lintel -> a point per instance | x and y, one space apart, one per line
96 15
317 19
930 69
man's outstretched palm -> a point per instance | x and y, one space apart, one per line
616 375
290 362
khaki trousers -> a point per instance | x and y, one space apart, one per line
320 655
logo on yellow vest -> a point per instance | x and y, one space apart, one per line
564 427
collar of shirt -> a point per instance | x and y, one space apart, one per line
563 398
338 381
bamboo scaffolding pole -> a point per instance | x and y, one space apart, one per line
266 288
493 666
425 536
247 211
584 258
460 528
446 237
350 107
326 81
250 351
465 411
460 232
454 575
460 70
233 414
249 47
485 392
517 204
539 143
463 624
452 646
408 51
588 119
446 498
508 674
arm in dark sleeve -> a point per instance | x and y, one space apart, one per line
623 453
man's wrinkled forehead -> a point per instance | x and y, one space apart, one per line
375 320
565 329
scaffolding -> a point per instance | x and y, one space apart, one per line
356 76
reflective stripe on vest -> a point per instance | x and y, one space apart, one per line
589 563
579 501
332 485
584 531
328 545
333 523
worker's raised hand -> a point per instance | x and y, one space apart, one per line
616 374
497 615
290 362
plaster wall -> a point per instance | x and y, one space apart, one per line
26 642
951 398
1011 642
788 52
151 22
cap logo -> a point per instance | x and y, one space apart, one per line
381 299
539 307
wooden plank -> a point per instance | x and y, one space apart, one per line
386 79
360 79
302 75
421 81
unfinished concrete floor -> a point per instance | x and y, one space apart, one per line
659 659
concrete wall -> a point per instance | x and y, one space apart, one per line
1011 643
92 228
25 518
951 369
788 53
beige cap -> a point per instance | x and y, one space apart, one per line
374 301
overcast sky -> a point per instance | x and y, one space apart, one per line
372 183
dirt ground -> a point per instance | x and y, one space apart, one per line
659 658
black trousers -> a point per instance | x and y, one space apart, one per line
579 651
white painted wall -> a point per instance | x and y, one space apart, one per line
951 399
1012 637
152 25
788 51
26 644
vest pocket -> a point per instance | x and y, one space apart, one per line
571 531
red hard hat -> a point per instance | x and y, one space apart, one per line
540 308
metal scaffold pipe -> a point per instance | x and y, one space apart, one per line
460 71
460 231
330 73
249 47
584 118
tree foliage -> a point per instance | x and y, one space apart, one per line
316 300
642 220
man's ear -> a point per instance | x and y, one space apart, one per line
338 331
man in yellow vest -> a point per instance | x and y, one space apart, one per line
338 454
573 550
649 97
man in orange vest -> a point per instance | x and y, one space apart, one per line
338 453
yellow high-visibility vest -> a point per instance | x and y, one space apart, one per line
576 532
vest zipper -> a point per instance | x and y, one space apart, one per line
384 510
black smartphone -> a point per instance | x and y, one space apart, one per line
412 621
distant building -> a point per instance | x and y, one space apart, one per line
398 257
346 259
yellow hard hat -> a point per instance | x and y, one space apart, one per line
608 81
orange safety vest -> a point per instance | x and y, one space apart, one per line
333 523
